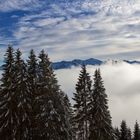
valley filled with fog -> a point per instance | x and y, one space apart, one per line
122 83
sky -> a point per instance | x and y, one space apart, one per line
69 29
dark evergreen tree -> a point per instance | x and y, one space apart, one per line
52 112
117 133
8 103
124 131
136 131
129 134
81 107
32 77
100 123
69 116
23 98
32 70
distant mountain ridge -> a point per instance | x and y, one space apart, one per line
76 62
132 62
91 61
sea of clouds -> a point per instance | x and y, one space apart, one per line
122 83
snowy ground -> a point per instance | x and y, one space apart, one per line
122 83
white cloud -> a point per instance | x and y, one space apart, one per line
72 30
99 28
122 87
11 5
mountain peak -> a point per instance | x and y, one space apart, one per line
90 61
76 62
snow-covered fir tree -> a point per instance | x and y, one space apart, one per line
69 116
100 121
136 131
129 134
23 94
123 131
32 77
8 101
52 115
82 98
32 70
117 133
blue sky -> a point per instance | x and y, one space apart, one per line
69 29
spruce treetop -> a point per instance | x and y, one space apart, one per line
100 121
136 131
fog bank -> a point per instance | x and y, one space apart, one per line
122 83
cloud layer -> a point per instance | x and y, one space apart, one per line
122 87
121 81
12 5
69 29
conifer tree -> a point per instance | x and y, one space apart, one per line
124 131
117 133
32 77
52 115
32 70
129 134
23 98
136 131
81 106
8 103
100 123
69 116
